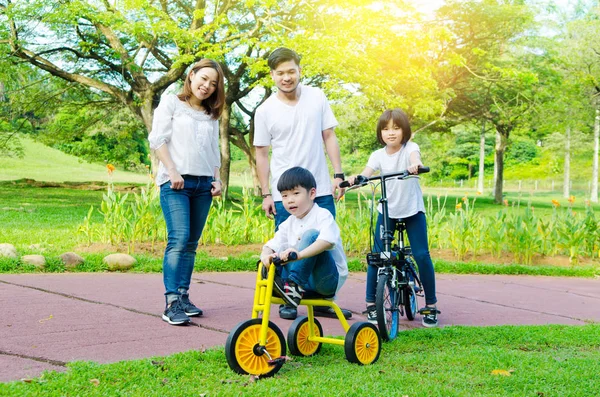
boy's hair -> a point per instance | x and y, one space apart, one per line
294 177
282 55
400 119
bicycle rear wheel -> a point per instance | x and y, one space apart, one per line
386 303
410 302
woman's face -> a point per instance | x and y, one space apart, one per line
203 82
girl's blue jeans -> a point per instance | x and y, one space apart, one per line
185 213
416 229
318 273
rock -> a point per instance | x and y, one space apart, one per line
36 260
71 260
8 251
119 262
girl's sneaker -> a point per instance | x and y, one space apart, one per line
429 316
371 314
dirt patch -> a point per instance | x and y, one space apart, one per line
75 185
157 249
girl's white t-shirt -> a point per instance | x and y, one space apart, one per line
191 136
405 198
295 134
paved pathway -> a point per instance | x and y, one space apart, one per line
51 319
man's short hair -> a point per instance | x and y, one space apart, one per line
282 55
294 177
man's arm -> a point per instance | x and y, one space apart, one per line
333 151
262 167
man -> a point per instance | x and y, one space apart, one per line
295 122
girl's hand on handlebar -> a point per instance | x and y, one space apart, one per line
414 168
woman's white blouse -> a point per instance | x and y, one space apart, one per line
191 136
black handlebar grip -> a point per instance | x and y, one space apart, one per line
291 257
344 184
423 170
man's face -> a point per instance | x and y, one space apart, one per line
286 76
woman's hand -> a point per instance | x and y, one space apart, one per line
176 179
216 188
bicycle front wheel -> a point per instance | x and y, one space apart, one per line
386 303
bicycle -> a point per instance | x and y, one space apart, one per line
257 346
397 278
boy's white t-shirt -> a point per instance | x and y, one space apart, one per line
405 198
295 134
291 230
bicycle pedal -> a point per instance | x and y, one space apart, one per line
278 361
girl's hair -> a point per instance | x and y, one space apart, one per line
399 118
214 103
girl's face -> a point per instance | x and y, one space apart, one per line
392 135
204 82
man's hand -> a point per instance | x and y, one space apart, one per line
268 205
337 191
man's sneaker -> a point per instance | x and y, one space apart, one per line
429 316
293 293
288 312
188 307
371 314
174 314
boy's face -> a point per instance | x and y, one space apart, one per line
298 201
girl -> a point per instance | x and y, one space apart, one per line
405 201
185 138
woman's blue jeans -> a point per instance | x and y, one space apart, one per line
416 229
326 202
318 273
185 213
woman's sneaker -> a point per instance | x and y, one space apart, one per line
188 307
429 314
371 314
174 313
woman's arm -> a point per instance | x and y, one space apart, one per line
165 157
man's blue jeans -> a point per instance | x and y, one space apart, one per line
317 273
185 213
326 202
416 229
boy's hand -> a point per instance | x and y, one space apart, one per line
285 254
268 205
267 259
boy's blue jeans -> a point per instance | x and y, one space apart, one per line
326 202
317 273
416 229
185 213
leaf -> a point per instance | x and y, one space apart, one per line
46 319
95 382
502 372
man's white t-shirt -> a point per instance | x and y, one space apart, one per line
405 198
295 134
291 230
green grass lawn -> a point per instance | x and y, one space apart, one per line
552 360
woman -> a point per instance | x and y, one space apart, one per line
185 134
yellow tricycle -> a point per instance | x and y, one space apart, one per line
257 346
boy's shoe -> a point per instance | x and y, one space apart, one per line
371 314
188 307
429 316
293 293
288 312
278 286
174 314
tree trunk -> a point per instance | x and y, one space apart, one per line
480 177
594 195
225 149
501 142
567 175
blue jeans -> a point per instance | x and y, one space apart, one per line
416 229
185 213
326 202
317 273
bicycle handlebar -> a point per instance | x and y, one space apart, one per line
362 180
291 257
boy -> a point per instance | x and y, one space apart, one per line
310 232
